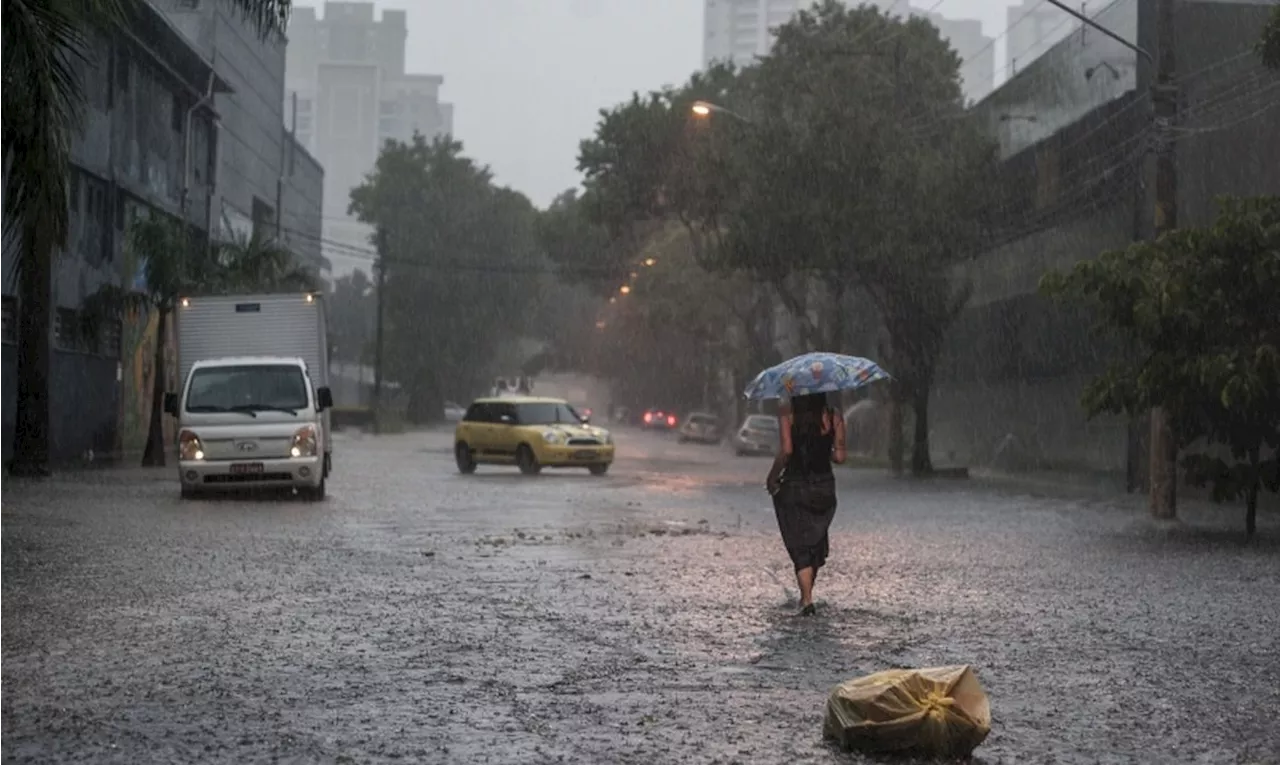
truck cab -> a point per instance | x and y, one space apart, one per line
252 422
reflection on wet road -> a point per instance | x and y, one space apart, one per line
644 616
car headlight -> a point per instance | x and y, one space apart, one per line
304 442
189 446
552 437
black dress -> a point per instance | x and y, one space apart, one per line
806 501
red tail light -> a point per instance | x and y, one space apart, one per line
671 420
648 416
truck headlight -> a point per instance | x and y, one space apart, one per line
189 446
304 442
552 437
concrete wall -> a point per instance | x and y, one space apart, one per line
1011 376
303 214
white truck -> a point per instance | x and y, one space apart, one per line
253 409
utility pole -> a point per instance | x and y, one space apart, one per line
1164 99
1162 455
377 342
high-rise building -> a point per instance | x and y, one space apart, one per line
346 71
740 30
1033 28
976 51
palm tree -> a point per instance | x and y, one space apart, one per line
42 103
175 263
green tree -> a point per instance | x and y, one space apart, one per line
43 106
463 268
176 262
1269 45
352 315
1200 303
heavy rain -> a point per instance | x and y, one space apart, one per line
735 381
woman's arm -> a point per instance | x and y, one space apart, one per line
838 452
784 452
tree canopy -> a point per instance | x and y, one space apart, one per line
799 175
462 267
1200 304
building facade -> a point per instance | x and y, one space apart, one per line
741 30
146 147
976 51
266 180
1078 163
346 73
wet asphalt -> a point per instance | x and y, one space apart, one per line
644 617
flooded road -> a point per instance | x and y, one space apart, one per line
643 617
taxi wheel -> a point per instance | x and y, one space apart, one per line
466 463
527 460
599 469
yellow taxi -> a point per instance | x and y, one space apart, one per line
531 433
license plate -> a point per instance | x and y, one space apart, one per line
584 454
242 468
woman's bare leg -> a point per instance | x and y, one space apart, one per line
804 578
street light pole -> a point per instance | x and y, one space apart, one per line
377 347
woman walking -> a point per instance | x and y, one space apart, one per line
803 486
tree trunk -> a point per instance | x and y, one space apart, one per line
1251 511
31 427
921 465
153 453
896 417
1164 466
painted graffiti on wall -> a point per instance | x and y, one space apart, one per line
137 359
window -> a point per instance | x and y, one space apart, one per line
388 107
304 106
263 215
546 414
107 341
480 412
248 388
9 320
66 331
304 124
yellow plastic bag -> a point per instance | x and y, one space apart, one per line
933 712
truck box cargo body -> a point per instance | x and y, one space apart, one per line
253 407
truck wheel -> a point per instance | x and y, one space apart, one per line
527 460
599 469
466 462
313 493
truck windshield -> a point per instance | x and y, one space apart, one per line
249 388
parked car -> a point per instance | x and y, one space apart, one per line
758 434
659 419
702 428
453 412
531 433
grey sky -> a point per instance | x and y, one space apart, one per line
527 77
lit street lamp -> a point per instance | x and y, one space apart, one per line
704 109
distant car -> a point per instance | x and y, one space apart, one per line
702 428
453 412
531 433
659 419
758 434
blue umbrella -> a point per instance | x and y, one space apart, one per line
815 373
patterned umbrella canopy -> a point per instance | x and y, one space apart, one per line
814 373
